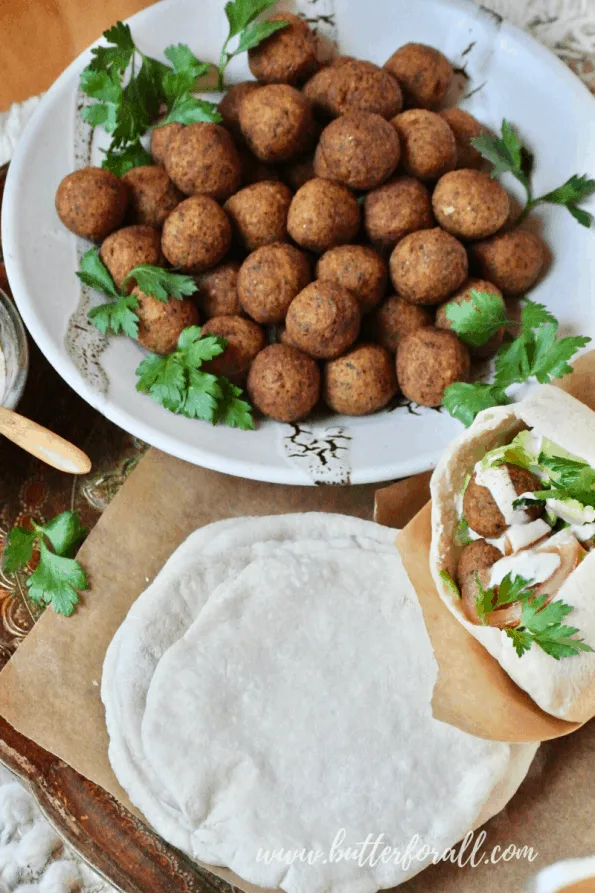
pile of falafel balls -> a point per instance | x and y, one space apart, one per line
295 213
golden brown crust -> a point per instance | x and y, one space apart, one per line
153 196
218 289
480 510
465 128
428 147
322 215
161 323
360 150
202 159
269 279
357 268
475 557
353 85
423 72
128 248
428 361
277 123
360 382
92 202
513 260
395 209
284 383
229 107
427 266
196 235
245 339
161 137
323 320
288 56
259 213
397 318
470 204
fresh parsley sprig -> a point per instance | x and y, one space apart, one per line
129 87
540 624
507 154
118 315
58 578
179 384
242 15
537 352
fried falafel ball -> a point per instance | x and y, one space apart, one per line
475 557
480 510
269 279
322 215
161 137
428 147
460 297
284 383
299 172
397 318
196 235
360 382
288 56
129 247
427 266
358 268
153 196
202 159
465 128
360 150
395 209
259 213
162 322
423 72
470 204
277 123
323 320
428 361
229 107
354 86
513 260
218 290
245 339
92 202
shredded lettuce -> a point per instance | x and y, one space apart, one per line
448 580
523 450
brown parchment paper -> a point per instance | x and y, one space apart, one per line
162 502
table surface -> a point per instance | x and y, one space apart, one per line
119 846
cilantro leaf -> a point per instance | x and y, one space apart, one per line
115 58
551 355
189 110
95 274
232 410
464 401
180 385
55 581
448 581
484 601
512 589
521 639
572 479
503 152
116 316
242 15
18 550
64 532
572 191
120 161
534 315
185 62
256 32
462 537
160 283
100 85
477 320
544 624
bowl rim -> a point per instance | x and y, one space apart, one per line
16 386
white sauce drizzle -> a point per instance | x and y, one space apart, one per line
537 567
497 480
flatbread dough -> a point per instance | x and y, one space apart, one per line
563 688
273 686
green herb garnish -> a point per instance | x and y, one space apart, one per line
480 318
58 578
507 154
537 352
462 537
118 315
540 624
242 15
448 580
179 384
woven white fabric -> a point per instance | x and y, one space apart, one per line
32 856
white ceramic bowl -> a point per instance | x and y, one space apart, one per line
14 354
508 75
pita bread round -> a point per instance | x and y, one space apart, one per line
558 687
335 735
